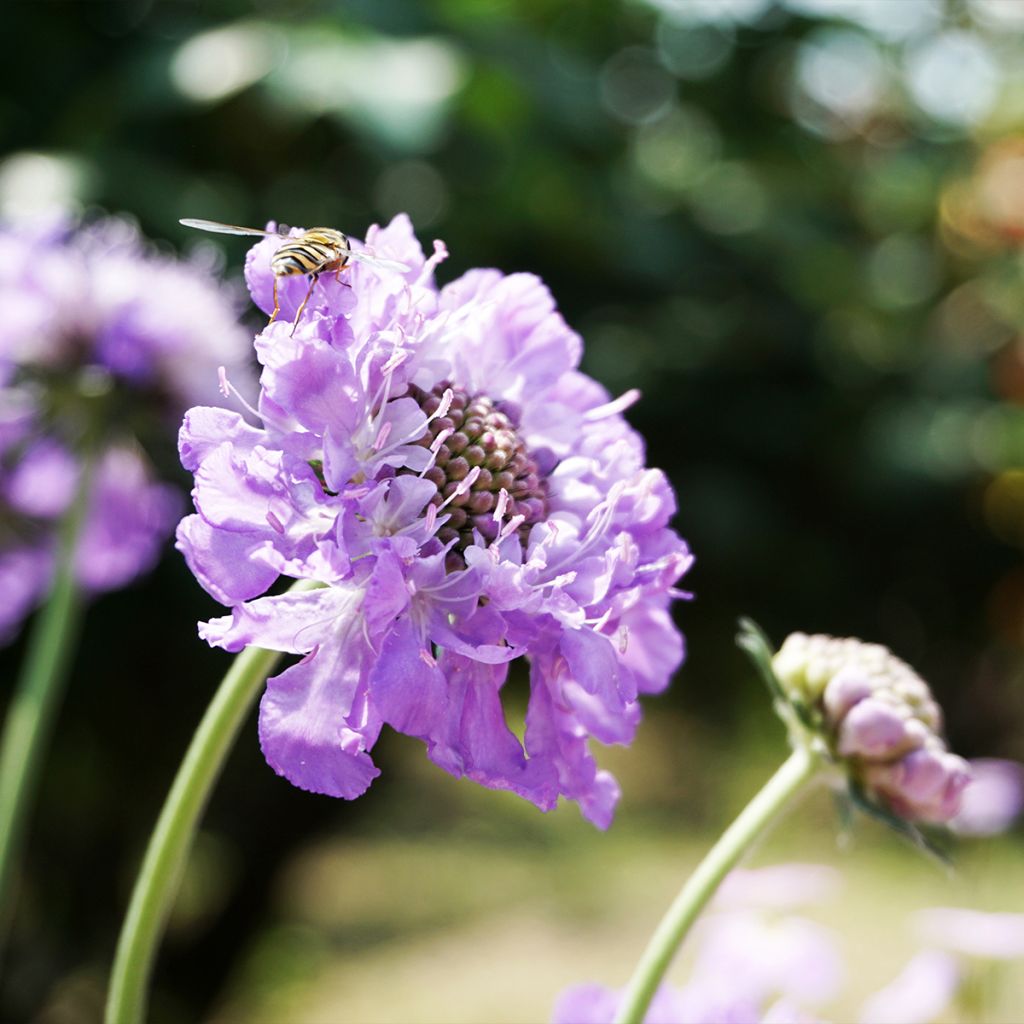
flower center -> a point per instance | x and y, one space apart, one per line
481 434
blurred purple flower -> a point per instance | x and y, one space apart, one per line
748 970
101 339
757 958
779 886
595 1004
991 936
469 498
920 994
993 799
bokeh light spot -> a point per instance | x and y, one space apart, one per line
214 65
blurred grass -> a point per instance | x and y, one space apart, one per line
491 910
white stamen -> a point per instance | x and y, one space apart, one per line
511 526
227 389
442 436
446 403
616 405
430 517
382 437
467 481
499 509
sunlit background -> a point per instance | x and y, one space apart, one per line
795 226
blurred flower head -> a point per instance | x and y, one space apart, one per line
879 719
753 963
471 501
993 800
103 342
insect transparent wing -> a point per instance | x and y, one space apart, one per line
224 229
371 259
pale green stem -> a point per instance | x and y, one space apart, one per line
790 779
169 845
37 696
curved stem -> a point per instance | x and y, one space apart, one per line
789 780
37 696
169 845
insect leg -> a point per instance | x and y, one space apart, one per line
277 303
309 291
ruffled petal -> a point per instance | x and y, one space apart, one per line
315 727
293 623
407 688
477 742
307 376
222 561
206 428
553 736
652 647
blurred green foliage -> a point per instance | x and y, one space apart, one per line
795 226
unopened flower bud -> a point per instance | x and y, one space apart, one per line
879 718
925 785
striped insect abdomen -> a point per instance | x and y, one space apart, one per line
311 253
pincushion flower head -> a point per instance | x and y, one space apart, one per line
103 343
468 499
879 719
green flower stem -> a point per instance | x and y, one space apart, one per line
171 841
790 779
37 696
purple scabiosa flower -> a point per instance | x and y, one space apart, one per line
103 344
469 499
878 718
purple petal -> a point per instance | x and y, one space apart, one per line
652 648
991 936
222 561
315 726
876 730
205 428
595 1004
992 800
780 886
129 519
553 736
293 623
477 742
920 994
408 689
312 380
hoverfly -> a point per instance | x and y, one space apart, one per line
314 252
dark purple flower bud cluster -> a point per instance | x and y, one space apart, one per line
880 719
475 438
102 340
